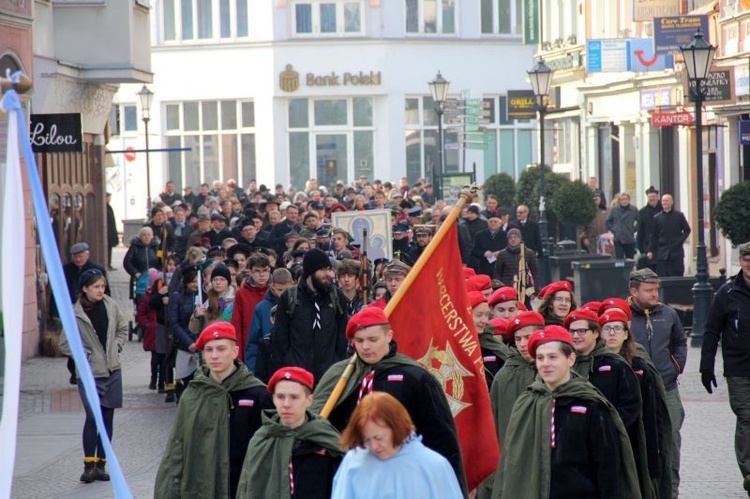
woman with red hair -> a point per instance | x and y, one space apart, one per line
386 458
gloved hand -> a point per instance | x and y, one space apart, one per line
707 379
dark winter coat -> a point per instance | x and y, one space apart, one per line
621 223
140 257
729 322
181 308
506 266
669 233
530 234
73 273
163 236
659 331
216 238
488 241
646 226
260 326
314 337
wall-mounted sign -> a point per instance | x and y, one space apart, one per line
289 79
652 98
646 10
521 104
530 22
673 118
56 133
719 86
671 33
624 54
744 132
741 81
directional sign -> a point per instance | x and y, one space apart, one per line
473 102
474 145
453 145
669 119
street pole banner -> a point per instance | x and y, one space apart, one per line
12 105
12 268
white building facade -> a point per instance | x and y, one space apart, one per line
287 90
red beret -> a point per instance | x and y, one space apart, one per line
616 303
549 333
592 305
216 331
612 315
500 325
522 306
478 282
525 319
468 272
368 316
580 315
476 298
297 374
552 288
506 293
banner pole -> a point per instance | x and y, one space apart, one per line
463 198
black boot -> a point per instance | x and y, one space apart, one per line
152 384
161 388
89 471
102 474
170 394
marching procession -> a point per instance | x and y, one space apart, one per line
288 351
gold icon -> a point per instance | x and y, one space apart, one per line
289 79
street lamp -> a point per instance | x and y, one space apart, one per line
146 96
541 79
699 56
439 88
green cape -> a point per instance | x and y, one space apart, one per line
265 472
196 461
529 454
332 375
663 483
510 382
488 341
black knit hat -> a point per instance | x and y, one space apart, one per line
314 260
87 276
221 270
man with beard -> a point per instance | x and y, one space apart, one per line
310 320
424 236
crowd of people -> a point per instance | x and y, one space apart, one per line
253 305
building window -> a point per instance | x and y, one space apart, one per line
330 139
431 16
221 147
502 17
129 119
422 140
327 17
183 20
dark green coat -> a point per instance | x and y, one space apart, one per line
196 463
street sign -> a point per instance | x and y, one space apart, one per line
674 118
453 145
130 155
476 145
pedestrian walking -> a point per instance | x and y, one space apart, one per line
728 323
621 222
295 453
181 307
564 438
668 235
218 414
658 328
104 330
386 458
380 368
645 227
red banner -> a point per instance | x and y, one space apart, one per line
432 324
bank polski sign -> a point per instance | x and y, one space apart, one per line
290 80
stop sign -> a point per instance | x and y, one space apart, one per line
130 155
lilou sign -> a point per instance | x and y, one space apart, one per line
56 133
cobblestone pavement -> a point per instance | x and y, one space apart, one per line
49 457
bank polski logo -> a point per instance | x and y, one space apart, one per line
289 79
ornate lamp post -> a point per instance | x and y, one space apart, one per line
541 79
699 56
439 89
146 96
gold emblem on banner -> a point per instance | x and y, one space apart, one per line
449 372
289 79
